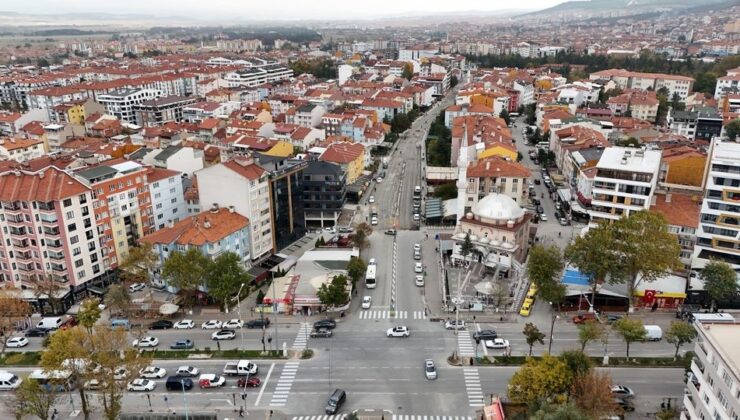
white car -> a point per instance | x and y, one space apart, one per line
213 324
187 371
371 261
400 331
147 341
223 335
136 287
416 217
379 180
366 302
497 343
430 371
153 372
417 247
543 217
455 325
418 268
374 221
184 324
233 324
120 374
210 380
419 280
141 385
17 342
371 199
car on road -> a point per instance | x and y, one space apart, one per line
68 323
233 324
610 319
329 324
419 280
36 332
366 302
540 210
452 324
371 199
417 247
336 399
624 404
430 371
153 372
211 380
345 230
176 383
330 229
418 268
400 331
537 182
526 307
252 382
563 221
321 333
147 341
622 391
417 217
581 318
371 261
391 232
184 324
187 371
141 385
379 179
417 255
15 342
258 323
212 324
223 335
374 221
162 324
182 345
136 287
543 217
485 335
497 343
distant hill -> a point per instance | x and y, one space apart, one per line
599 7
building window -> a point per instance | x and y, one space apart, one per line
67 202
79 263
72 227
70 215
81 274
74 239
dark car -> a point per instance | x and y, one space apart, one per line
182 345
328 324
252 382
258 323
536 201
176 383
36 332
162 324
537 181
540 209
321 333
485 335
610 319
336 399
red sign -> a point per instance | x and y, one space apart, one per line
649 296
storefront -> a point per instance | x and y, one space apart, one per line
667 292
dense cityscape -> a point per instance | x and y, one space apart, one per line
423 212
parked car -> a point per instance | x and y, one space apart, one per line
258 323
141 385
147 341
543 217
15 342
419 280
119 374
563 221
68 323
366 302
485 335
233 324
451 324
371 199
187 371
329 324
345 230
418 267
184 324
211 380
497 343
581 318
36 332
391 232
526 307
430 371
223 335
176 383
136 287
162 324
153 372
182 345
321 333
400 331
252 382
213 324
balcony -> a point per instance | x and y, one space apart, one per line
51 232
54 244
13 208
47 207
26 267
58 268
56 255
23 255
19 245
14 219
60 278
20 233
49 220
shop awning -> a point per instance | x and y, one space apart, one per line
96 290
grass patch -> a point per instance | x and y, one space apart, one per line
28 358
679 362
215 354
307 354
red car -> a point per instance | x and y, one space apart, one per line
253 382
579 319
68 323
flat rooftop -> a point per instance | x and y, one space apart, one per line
726 337
630 159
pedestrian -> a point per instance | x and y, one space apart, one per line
241 411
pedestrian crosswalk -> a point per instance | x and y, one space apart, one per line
391 417
381 314
285 382
472 386
301 339
465 347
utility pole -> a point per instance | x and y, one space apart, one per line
552 326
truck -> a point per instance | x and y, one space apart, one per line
240 368
653 333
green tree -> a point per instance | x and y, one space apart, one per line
119 298
589 331
42 62
544 267
646 248
89 313
361 237
732 129
13 308
453 81
408 71
504 114
720 281
531 118
533 335
593 254
663 104
356 270
578 362
540 379
631 330
186 270
31 399
552 411
334 293
680 333
676 103
138 264
320 241
225 274
446 191
466 248
70 350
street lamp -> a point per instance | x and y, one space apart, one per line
239 312
552 326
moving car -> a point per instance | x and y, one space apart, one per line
213 324
417 247
233 324
451 324
252 382
379 179
563 221
371 199
543 217
68 323
162 324
430 371
184 324
418 268
345 230
321 333
485 335
182 345
419 280
417 217
176 383
153 372
141 385
374 221
391 232
526 307
147 341
400 331
258 323
211 380
36 332
187 371
622 391
329 324
497 343
580 319
366 302
336 399
136 287
223 335
16 342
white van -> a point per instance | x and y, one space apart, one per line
9 381
51 323
374 221
653 333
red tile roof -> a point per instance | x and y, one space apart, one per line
156 174
245 167
342 152
497 167
204 228
47 185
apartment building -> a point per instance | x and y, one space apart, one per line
241 183
728 84
324 193
48 230
286 198
122 103
625 79
122 207
496 175
625 182
682 122
155 112
714 384
681 212
256 72
718 236
168 197
21 149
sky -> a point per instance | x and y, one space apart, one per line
271 9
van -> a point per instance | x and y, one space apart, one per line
653 333
51 323
336 399
9 381
120 323
176 383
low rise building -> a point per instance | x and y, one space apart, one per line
349 156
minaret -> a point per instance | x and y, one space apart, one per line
462 174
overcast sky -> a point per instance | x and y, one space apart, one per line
270 9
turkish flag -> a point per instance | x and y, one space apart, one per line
649 296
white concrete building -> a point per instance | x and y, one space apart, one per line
168 199
415 53
625 182
344 73
256 72
121 103
714 388
243 184
728 84
186 160
526 92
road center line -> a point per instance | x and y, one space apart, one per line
264 385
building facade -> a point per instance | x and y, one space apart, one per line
122 103
324 191
168 199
